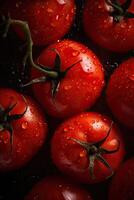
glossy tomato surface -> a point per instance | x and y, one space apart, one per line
74 160
48 20
101 27
79 88
29 132
57 188
120 93
122 185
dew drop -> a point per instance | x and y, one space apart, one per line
38 11
59 186
49 10
24 125
67 87
17 5
57 17
5 141
82 154
131 77
67 17
53 24
65 129
75 53
62 2
83 50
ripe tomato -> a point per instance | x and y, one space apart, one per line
57 188
87 147
78 87
48 20
110 27
122 185
22 129
120 93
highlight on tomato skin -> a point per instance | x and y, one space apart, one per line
88 147
57 188
110 24
23 129
48 20
122 184
78 83
120 93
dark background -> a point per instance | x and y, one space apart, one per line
15 185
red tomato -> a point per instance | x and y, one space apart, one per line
57 188
122 185
48 20
107 26
78 89
87 148
120 93
21 136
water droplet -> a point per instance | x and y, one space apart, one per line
82 154
49 10
72 10
62 2
40 124
36 197
67 87
65 129
131 77
24 125
59 186
94 82
5 141
17 5
38 11
53 24
57 17
83 50
75 53
67 17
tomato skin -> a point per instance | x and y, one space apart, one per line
57 188
29 132
101 28
120 93
72 159
81 86
122 185
48 20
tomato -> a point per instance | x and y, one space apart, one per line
109 26
48 20
78 87
122 185
87 147
120 93
57 188
22 129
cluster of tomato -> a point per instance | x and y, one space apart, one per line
71 106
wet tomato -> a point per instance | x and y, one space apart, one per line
22 129
74 84
57 188
122 185
120 93
110 23
87 147
48 20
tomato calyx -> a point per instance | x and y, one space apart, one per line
56 74
6 118
120 11
95 152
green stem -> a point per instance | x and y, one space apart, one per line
28 55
